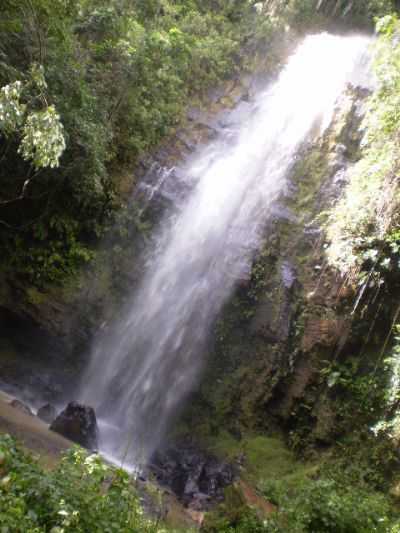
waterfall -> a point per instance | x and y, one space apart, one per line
143 367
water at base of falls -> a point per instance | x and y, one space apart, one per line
142 369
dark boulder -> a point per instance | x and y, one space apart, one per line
47 413
78 423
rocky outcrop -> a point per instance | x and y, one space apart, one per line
198 479
296 312
78 423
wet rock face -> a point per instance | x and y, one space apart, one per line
293 312
47 413
78 423
197 479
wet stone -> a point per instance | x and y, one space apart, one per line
78 423
197 479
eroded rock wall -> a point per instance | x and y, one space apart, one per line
281 337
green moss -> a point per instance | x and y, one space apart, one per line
264 458
308 176
34 296
268 457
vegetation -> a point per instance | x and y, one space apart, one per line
87 88
364 226
314 14
322 506
81 495
336 491
358 384
327 505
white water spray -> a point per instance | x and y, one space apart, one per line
140 373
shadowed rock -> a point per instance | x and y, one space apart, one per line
78 423
47 413
196 478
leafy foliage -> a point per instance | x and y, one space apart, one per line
307 14
324 505
327 505
310 12
41 130
11 110
42 138
93 85
363 228
100 83
81 495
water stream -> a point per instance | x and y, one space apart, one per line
144 366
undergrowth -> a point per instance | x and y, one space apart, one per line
363 229
344 490
82 495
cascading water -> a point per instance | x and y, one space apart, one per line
141 370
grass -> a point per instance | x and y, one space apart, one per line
264 458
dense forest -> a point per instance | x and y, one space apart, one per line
88 90
89 87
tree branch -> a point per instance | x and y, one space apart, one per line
21 196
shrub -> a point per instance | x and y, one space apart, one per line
82 495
